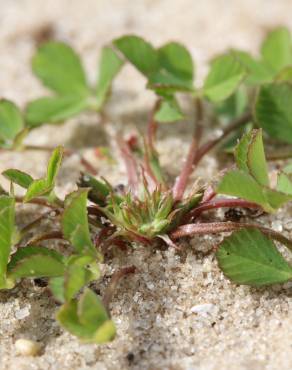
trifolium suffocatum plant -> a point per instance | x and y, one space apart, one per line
249 98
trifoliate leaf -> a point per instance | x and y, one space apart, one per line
75 222
258 72
11 121
240 184
249 257
273 110
176 59
35 262
45 185
79 272
277 49
37 188
139 52
175 71
18 177
225 75
87 319
275 198
60 69
169 111
54 109
250 156
7 232
109 66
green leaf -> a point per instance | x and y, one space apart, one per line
276 199
99 189
240 184
277 49
35 262
250 156
54 165
18 177
60 69
234 106
258 72
75 222
56 284
138 52
80 270
11 122
226 73
176 59
109 66
54 109
44 186
36 189
273 110
284 183
91 310
169 111
87 319
7 232
285 75
175 71
249 257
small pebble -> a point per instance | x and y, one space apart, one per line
27 347
22 313
202 308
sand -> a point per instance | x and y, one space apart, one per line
178 311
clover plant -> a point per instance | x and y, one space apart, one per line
250 99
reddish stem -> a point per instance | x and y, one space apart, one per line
205 148
182 180
130 163
209 194
221 203
47 236
110 289
38 201
219 227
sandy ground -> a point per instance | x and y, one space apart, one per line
178 312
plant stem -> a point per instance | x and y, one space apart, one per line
233 126
151 158
110 289
219 227
182 180
130 163
46 236
38 201
37 221
221 203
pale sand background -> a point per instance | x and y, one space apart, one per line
239 328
